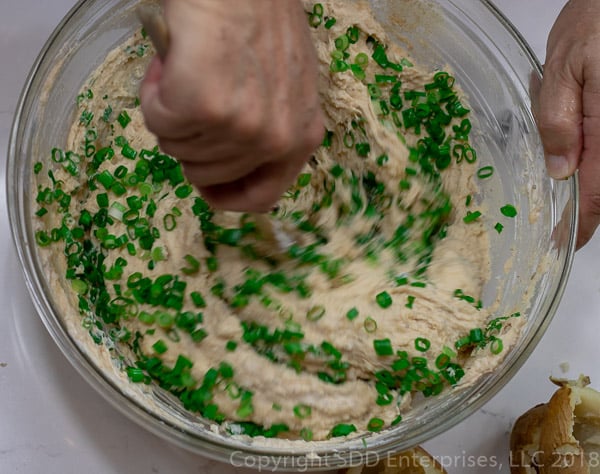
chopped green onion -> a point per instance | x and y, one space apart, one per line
79 286
370 324
160 347
315 20
165 320
363 149
318 9
302 411
169 222
193 265
58 155
336 171
315 313
375 424
476 335
147 318
124 119
327 139
380 56
358 72
374 91
304 180
462 342
349 140
128 152
106 179
449 352
135 374
422 344
382 159
121 141
385 78
352 314
226 370
471 216
485 172
496 346
384 399
383 347
342 429
212 264
329 22
353 34
231 346
306 434
509 210
338 65
102 199
383 299
342 43
198 335
361 60
116 210
442 361
197 299
183 191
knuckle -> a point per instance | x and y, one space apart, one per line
555 127
248 125
280 139
211 111
554 66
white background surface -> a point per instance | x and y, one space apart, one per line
52 422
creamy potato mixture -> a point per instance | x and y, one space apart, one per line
377 302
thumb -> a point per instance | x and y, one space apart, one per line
558 113
160 119
149 85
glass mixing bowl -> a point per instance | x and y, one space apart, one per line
493 66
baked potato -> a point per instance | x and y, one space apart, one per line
561 436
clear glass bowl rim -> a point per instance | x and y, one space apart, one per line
225 452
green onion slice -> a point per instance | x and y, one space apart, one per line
315 313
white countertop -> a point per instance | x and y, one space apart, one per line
51 421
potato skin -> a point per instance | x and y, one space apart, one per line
560 451
542 440
525 440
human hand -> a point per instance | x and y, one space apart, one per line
236 98
568 108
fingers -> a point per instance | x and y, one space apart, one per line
255 192
568 109
589 167
223 170
236 98
559 118
260 190
589 199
